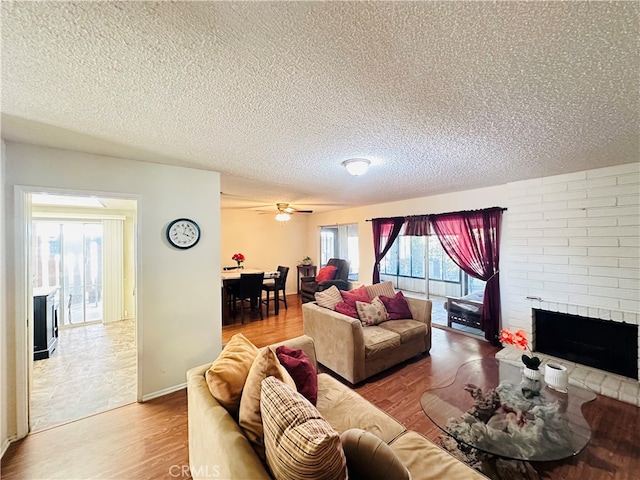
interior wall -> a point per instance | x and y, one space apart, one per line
574 246
179 324
4 372
265 242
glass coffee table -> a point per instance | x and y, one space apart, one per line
490 406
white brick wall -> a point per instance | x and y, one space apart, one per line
573 241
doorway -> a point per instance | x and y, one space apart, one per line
83 257
68 257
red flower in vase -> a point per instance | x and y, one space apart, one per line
519 340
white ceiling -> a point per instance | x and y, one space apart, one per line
440 96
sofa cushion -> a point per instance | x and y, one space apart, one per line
349 310
326 273
299 443
301 370
328 298
382 288
228 373
377 341
356 295
409 330
426 461
265 365
372 313
397 306
369 458
343 408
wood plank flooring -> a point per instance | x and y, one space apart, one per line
149 441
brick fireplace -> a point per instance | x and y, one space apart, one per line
571 245
602 344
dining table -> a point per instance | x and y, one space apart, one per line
232 275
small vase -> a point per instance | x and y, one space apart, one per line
531 374
239 263
556 377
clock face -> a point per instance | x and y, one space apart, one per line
183 233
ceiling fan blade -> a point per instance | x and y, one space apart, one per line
303 211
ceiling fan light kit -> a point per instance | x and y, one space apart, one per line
283 217
356 166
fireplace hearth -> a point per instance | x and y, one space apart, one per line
603 344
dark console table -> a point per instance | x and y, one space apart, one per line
45 322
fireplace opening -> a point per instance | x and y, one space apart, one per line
602 344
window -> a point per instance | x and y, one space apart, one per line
441 267
407 258
341 241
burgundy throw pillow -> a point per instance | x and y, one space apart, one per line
360 294
397 307
346 309
304 375
326 273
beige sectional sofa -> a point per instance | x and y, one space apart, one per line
219 449
356 352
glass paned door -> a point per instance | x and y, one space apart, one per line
69 255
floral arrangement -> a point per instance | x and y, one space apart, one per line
238 257
306 260
519 340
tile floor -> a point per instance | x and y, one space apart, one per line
93 369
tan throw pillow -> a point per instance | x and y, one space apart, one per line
265 365
377 289
329 298
372 313
229 371
368 457
299 442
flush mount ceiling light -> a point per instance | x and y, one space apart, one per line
283 217
356 166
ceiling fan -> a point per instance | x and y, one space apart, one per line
285 212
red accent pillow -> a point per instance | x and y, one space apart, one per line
304 375
326 273
360 294
397 307
346 309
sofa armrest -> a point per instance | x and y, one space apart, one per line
338 339
211 431
421 311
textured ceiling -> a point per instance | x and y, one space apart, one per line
441 96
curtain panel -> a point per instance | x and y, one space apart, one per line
417 226
472 240
385 232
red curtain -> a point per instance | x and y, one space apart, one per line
472 240
385 232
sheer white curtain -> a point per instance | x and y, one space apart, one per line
112 270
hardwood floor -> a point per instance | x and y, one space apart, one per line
149 441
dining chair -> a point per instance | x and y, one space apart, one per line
277 285
248 289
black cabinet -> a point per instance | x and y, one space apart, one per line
45 322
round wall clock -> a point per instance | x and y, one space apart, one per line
183 233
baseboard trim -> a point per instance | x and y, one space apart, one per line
162 393
5 445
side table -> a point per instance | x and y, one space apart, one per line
305 271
